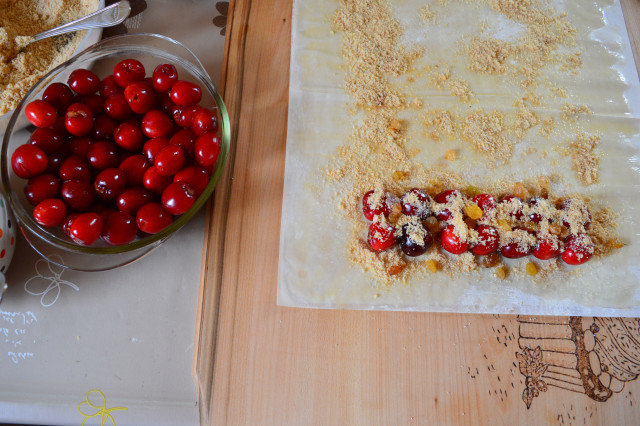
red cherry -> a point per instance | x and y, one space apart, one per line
94 102
86 228
416 202
103 155
178 197
533 203
41 187
451 242
110 183
129 137
117 107
119 228
443 198
59 96
169 160
59 126
516 206
186 140
167 106
164 76
40 113
547 247
154 181
103 127
80 146
66 223
83 82
28 161
486 203
140 96
185 93
410 247
75 167
196 177
369 210
128 71
585 215
578 249
381 236
134 167
109 87
153 146
78 120
184 116
156 124
207 149
204 121
53 163
50 212
131 199
489 240
49 140
77 194
516 250
152 218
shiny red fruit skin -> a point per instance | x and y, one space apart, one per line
103 127
514 251
381 237
178 197
78 194
103 155
443 198
66 223
152 218
578 249
451 242
134 167
547 247
118 228
53 163
109 87
78 119
154 181
117 107
184 115
153 146
86 228
422 208
163 77
94 102
28 161
131 199
40 113
49 140
170 160
129 136
486 202
207 149
50 212
110 183
140 97
42 187
204 121
156 124
517 213
59 126
185 93
185 139
80 146
83 82
566 205
75 167
59 96
197 177
128 71
369 212
489 240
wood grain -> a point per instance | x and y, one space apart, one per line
257 363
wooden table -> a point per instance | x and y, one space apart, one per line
257 363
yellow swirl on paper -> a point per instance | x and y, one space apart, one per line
92 410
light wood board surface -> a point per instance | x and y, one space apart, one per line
257 363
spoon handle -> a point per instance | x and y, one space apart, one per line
107 17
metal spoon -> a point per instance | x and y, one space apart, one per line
106 17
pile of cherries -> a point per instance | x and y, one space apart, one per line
577 248
117 157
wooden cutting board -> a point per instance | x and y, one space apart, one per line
257 363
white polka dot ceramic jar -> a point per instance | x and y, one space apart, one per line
7 241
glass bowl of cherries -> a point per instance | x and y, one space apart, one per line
113 151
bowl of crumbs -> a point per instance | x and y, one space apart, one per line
23 63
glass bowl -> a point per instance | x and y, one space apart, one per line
151 50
